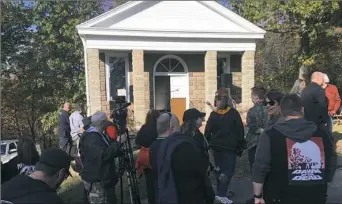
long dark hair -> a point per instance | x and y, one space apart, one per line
189 127
151 118
27 151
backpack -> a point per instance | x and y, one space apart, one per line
167 192
143 160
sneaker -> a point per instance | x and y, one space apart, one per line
223 200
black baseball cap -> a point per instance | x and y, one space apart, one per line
56 158
192 113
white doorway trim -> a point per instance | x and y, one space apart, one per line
185 73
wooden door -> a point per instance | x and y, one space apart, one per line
178 106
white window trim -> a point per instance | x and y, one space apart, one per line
125 56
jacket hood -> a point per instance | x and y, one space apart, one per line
299 130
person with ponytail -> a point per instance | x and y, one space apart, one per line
192 121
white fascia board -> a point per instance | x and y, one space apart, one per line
169 44
167 34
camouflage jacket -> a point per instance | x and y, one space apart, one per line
257 121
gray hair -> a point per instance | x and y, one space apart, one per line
98 119
166 121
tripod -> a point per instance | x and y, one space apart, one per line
127 168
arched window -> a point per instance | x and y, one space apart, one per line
170 64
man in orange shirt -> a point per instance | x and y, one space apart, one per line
333 97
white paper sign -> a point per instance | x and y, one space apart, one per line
121 92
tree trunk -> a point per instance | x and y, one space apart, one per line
304 50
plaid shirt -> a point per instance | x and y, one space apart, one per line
257 121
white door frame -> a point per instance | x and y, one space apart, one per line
185 73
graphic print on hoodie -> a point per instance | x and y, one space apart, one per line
306 160
305 152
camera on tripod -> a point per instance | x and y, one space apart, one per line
119 115
126 159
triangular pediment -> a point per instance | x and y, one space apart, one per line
173 16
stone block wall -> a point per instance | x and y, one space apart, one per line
96 81
105 106
210 69
247 79
197 90
139 87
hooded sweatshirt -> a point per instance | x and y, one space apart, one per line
298 130
24 189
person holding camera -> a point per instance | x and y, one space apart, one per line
225 134
98 151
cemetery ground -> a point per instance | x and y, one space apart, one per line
71 190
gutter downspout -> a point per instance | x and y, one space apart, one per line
86 71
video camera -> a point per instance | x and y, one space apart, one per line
126 159
119 115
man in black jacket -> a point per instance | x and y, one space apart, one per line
314 100
97 155
65 141
293 161
225 133
40 186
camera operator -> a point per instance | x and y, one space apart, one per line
97 153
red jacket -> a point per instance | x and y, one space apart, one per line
334 100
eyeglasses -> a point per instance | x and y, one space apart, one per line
271 103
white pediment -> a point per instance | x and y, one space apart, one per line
171 17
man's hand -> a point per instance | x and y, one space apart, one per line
122 138
259 201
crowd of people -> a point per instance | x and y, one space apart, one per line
288 139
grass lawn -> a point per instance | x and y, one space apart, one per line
71 190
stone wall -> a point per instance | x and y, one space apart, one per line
96 81
210 69
139 87
197 90
247 78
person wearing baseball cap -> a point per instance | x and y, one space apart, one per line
40 186
192 121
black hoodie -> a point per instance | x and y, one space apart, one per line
225 131
298 130
24 189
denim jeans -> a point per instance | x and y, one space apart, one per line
225 162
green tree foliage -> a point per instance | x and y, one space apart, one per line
306 29
44 65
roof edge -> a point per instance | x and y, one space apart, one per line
108 14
